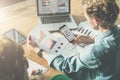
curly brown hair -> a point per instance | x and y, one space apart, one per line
106 11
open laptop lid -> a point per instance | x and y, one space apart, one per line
53 7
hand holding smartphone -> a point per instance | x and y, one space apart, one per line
67 33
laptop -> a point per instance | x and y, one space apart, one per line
55 13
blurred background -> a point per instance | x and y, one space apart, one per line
22 14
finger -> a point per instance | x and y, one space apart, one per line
75 35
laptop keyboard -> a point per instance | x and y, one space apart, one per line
55 19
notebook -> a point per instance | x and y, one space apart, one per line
55 13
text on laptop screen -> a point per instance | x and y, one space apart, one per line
53 6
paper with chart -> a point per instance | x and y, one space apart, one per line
54 43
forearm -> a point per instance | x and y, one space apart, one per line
68 65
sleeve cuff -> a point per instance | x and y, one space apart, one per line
51 57
40 52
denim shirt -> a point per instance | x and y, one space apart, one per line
96 63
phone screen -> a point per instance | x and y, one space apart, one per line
67 33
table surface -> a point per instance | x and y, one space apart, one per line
22 15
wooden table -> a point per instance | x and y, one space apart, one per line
33 56
22 15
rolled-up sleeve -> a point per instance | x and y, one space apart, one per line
76 62
88 57
71 64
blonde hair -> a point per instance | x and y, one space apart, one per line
11 60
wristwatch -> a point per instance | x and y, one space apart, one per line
40 52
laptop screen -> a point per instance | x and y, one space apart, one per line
45 7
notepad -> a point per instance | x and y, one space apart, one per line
33 65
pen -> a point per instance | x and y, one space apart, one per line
36 72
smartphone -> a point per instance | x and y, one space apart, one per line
67 33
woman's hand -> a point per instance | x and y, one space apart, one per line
32 44
37 75
83 39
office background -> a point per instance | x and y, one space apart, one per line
22 15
